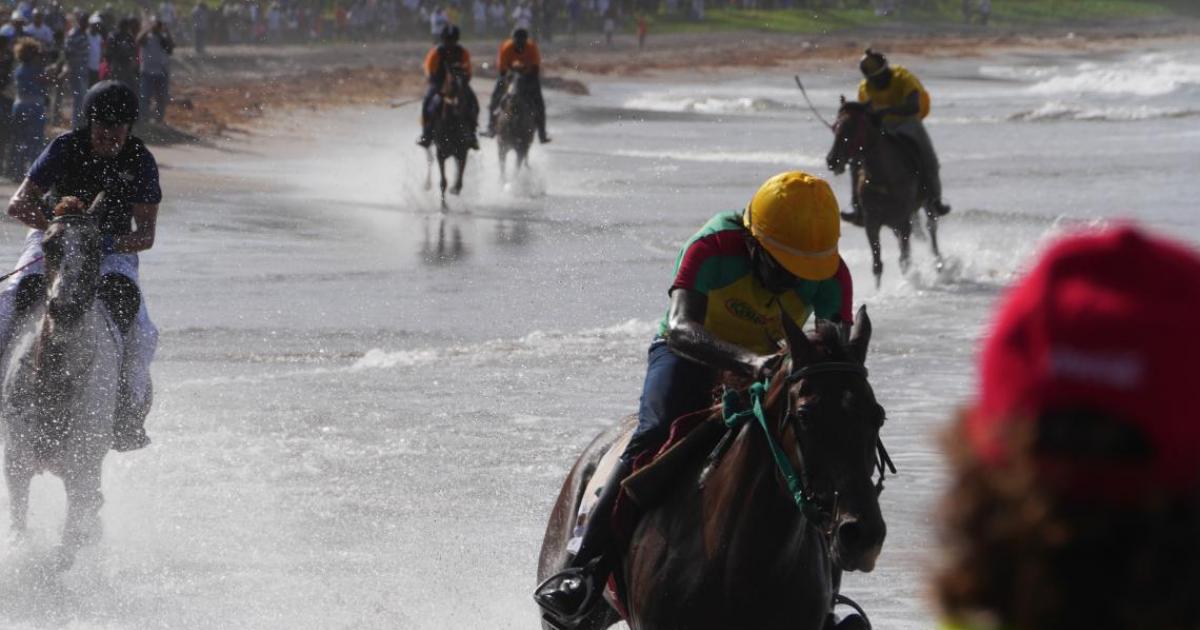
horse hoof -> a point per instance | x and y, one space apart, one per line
64 558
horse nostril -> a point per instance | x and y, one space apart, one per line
849 534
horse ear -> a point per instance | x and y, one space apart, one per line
860 335
842 99
798 344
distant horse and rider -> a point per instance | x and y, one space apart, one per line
449 111
893 167
516 121
452 131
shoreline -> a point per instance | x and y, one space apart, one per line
227 92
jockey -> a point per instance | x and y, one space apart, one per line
519 54
446 57
734 281
100 156
897 97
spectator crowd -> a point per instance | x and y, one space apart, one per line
49 58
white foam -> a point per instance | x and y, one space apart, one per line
741 157
537 343
1059 110
705 104
1147 75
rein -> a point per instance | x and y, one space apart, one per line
757 391
21 268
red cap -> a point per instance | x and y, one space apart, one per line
1109 322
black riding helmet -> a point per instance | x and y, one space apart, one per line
520 37
874 67
450 35
109 102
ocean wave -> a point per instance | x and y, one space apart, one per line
1058 110
601 343
706 104
741 157
1149 75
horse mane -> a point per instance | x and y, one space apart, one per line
853 106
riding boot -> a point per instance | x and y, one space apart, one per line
855 217
426 138
570 594
134 389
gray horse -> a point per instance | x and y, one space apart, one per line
60 381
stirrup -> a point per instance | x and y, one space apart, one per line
568 619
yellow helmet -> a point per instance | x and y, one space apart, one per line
794 215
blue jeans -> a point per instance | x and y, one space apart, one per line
674 387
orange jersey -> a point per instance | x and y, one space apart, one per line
433 60
529 57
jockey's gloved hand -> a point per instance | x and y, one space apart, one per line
108 244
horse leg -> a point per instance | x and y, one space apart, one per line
442 174
904 235
461 161
18 473
84 500
876 259
503 161
931 223
428 168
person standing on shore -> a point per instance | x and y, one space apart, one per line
200 27
439 21
1074 494
76 52
15 29
156 47
121 53
29 108
95 39
39 30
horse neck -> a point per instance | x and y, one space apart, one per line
67 343
883 161
746 511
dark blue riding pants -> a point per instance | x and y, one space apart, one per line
674 387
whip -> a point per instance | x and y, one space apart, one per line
810 103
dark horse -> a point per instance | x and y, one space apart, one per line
885 180
453 129
515 121
60 379
739 542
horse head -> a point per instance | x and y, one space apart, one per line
852 135
453 87
72 246
831 427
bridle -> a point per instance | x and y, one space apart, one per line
828 515
824 515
